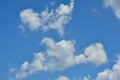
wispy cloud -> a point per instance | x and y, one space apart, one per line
114 5
87 78
48 19
61 55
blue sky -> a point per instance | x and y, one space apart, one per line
60 40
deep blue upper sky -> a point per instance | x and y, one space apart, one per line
91 22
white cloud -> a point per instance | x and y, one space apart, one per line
30 18
113 74
114 5
61 55
48 19
94 53
108 74
62 78
87 78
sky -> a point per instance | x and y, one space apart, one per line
60 40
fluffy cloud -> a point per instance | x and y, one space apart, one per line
61 55
95 53
48 19
30 18
62 78
108 74
114 5
91 54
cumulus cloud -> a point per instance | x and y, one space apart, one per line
114 5
107 74
91 54
110 74
61 55
30 18
48 19
62 78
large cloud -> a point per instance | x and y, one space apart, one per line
48 19
61 55
114 5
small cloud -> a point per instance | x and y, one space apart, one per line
53 3
22 29
96 11
114 5
30 18
62 78
87 78
12 70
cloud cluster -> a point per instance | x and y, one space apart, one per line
61 55
114 5
48 19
